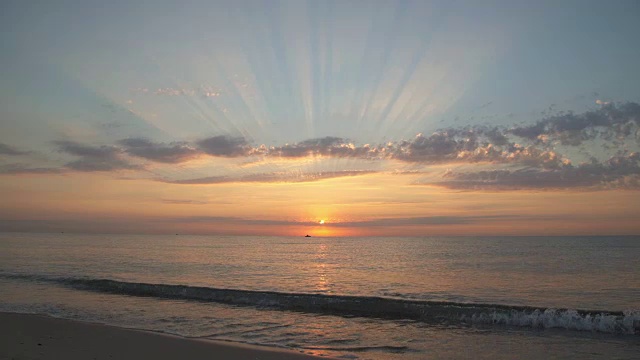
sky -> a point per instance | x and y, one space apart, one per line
329 118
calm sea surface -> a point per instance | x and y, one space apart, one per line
364 298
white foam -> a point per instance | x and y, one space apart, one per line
628 323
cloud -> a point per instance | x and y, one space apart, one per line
529 145
621 171
495 136
171 153
533 147
77 149
93 164
270 177
225 146
94 158
109 125
417 221
204 91
485 105
184 202
572 129
237 220
23 169
438 147
326 146
10 150
471 145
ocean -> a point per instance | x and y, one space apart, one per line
352 298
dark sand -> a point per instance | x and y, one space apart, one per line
25 336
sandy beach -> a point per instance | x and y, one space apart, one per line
24 336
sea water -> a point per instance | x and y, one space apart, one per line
360 298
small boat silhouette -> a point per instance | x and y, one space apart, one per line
307 235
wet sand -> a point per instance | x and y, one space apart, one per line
24 336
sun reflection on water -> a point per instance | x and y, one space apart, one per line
322 285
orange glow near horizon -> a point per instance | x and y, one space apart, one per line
326 231
100 203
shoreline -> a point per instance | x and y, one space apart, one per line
35 336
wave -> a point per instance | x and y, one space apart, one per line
439 312
386 348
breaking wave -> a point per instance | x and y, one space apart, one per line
439 312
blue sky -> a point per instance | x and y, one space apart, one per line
288 71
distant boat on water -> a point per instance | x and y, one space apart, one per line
307 235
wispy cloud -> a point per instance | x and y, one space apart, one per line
326 146
424 220
94 158
204 91
10 150
225 146
611 122
184 202
523 156
471 146
24 169
171 153
283 177
618 172
237 220
608 121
